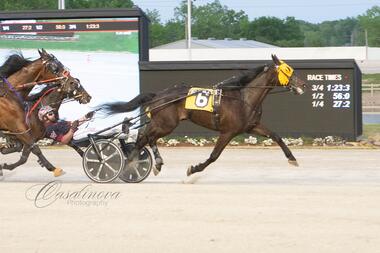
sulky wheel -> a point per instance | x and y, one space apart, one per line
138 168
106 168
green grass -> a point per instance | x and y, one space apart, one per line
371 78
370 130
101 41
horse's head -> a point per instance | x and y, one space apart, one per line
69 86
287 77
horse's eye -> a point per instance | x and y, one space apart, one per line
53 68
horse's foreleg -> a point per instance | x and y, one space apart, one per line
222 142
263 131
157 158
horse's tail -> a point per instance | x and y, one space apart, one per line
119 107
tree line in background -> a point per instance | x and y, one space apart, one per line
213 20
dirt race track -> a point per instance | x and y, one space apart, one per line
250 200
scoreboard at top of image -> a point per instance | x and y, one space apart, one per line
68 26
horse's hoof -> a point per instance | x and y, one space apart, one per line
3 166
1 172
189 172
293 162
159 161
58 172
191 179
156 171
157 166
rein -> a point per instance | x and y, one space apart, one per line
47 81
38 102
263 87
65 75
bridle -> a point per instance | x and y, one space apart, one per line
289 87
62 79
54 66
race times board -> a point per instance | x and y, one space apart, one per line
69 26
332 90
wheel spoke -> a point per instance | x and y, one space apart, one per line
92 160
112 155
135 169
99 170
112 169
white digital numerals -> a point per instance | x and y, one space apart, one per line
341 95
341 104
318 95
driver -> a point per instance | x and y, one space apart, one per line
61 131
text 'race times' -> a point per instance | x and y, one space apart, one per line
330 90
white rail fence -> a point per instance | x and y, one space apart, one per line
371 97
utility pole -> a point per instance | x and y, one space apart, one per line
189 24
366 43
61 4
188 29
352 39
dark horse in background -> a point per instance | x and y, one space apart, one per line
240 110
19 76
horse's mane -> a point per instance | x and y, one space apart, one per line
14 63
241 80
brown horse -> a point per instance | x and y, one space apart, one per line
239 112
19 77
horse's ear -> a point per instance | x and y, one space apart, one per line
275 59
43 53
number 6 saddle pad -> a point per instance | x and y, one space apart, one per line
202 99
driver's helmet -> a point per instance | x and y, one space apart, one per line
43 111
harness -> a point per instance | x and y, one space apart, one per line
11 88
216 112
